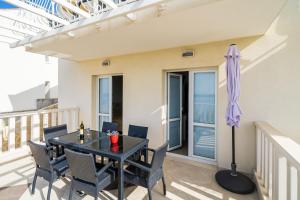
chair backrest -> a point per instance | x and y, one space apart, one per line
109 126
138 131
82 165
40 155
55 131
159 156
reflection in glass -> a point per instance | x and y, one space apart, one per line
204 97
104 95
174 97
101 120
204 142
174 131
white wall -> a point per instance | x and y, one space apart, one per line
269 85
22 78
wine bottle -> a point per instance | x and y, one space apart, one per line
81 131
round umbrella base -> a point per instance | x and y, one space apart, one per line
239 184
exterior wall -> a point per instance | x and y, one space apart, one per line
269 81
23 74
23 77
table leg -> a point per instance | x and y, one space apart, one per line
121 181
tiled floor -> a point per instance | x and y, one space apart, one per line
185 180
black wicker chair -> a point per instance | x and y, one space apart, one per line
137 131
147 174
55 131
140 132
109 126
88 176
46 168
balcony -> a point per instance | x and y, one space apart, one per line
185 179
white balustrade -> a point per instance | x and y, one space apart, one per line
277 164
19 127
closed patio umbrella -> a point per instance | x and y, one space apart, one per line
231 179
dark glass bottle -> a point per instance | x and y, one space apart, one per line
81 131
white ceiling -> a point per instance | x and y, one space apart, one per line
184 22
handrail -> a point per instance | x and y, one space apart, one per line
277 164
32 112
18 127
287 146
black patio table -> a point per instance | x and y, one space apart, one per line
98 143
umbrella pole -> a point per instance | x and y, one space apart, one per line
233 164
232 180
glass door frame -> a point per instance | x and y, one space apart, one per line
98 114
191 116
168 109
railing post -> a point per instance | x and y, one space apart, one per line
298 183
271 169
263 158
41 126
54 118
275 176
23 130
28 128
11 134
49 119
69 120
282 178
258 152
266 160
1 134
60 117
17 132
35 127
288 180
293 183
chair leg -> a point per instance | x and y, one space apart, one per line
97 193
71 191
33 183
49 189
149 194
164 185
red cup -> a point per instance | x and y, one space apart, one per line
114 139
115 147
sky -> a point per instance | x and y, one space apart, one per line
5 5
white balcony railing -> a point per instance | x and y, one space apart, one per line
17 128
277 164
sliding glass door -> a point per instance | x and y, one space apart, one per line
202 106
104 104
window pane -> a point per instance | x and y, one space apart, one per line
204 142
204 97
104 95
174 97
174 138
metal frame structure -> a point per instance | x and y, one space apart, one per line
43 16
